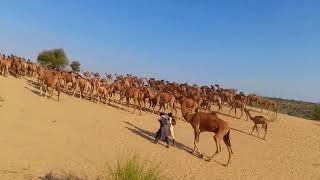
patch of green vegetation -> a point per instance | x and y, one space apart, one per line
316 112
129 168
132 169
302 109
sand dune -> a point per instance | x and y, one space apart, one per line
37 135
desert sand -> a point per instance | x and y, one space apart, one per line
39 134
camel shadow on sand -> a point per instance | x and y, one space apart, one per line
246 133
149 136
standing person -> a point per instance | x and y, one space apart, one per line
172 123
163 132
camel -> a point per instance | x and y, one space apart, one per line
5 66
214 98
146 94
165 98
51 80
118 85
109 77
69 77
103 93
87 75
190 104
226 97
152 100
84 87
31 69
251 98
132 93
236 104
267 104
258 120
241 97
208 122
95 84
16 67
198 99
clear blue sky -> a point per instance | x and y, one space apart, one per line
267 47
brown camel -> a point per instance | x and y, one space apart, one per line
51 80
241 97
118 85
208 122
198 99
87 75
103 93
236 104
165 98
214 98
190 104
5 66
109 77
84 87
132 93
252 98
69 78
268 104
258 120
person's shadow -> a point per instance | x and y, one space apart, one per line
150 136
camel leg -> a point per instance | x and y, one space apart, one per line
47 89
217 146
230 110
241 113
265 127
128 104
58 93
229 150
164 108
196 140
40 90
235 112
257 130
140 107
134 106
253 129
154 106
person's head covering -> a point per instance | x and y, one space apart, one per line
161 114
170 114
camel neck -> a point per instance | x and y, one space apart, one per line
186 115
249 114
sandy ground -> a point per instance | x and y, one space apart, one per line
38 135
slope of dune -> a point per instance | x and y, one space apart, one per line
38 135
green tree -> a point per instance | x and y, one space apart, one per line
55 58
75 66
316 113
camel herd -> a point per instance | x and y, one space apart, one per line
195 102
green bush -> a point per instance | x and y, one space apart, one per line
316 113
75 66
132 169
55 58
